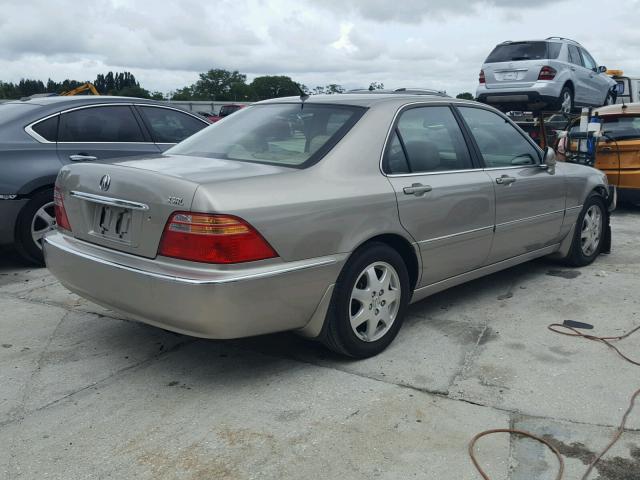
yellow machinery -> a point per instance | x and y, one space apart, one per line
82 88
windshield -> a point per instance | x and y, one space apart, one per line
622 128
294 135
510 52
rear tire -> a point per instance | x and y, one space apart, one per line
565 101
588 237
36 218
369 302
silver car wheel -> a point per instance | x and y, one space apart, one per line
591 230
42 222
375 301
566 102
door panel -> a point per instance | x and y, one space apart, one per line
101 132
529 201
445 203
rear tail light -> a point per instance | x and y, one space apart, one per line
62 220
206 238
547 73
481 79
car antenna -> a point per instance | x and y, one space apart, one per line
303 95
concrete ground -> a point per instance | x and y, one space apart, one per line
85 394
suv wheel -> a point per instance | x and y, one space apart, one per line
36 218
369 302
565 102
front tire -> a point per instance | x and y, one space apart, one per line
35 220
369 302
589 232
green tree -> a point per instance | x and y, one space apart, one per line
333 88
376 86
184 93
465 96
274 86
219 84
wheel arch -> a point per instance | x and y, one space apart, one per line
406 249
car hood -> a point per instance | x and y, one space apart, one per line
200 170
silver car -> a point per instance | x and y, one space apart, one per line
556 74
325 215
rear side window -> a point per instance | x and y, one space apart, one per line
170 126
500 144
511 52
100 124
47 129
430 140
554 50
574 55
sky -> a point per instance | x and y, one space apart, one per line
404 43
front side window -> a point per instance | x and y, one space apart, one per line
589 62
499 142
100 124
430 140
170 126
622 128
295 135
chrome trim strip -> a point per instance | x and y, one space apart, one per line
115 202
29 128
444 237
574 208
192 281
514 167
442 172
520 220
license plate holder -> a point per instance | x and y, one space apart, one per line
113 223
510 76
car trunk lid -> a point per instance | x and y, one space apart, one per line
124 205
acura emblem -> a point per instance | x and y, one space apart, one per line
105 183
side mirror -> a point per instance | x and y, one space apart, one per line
549 160
601 69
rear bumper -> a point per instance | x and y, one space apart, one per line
199 300
539 95
9 210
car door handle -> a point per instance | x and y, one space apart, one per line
505 180
573 69
606 149
417 189
80 157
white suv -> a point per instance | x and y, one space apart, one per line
552 74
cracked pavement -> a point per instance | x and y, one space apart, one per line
86 394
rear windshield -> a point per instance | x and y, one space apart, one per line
9 111
294 135
511 52
622 128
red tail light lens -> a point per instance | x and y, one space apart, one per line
206 238
481 79
547 73
62 221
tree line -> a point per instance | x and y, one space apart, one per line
216 84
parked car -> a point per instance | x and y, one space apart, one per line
225 111
618 151
556 74
39 136
210 117
326 216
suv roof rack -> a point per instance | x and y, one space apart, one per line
562 38
404 90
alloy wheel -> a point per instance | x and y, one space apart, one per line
566 102
591 230
42 222
375 301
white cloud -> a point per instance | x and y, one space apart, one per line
439 43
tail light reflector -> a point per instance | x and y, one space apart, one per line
62 221
481 78
200 237
547 73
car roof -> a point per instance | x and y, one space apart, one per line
618 109
59 100
366 99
